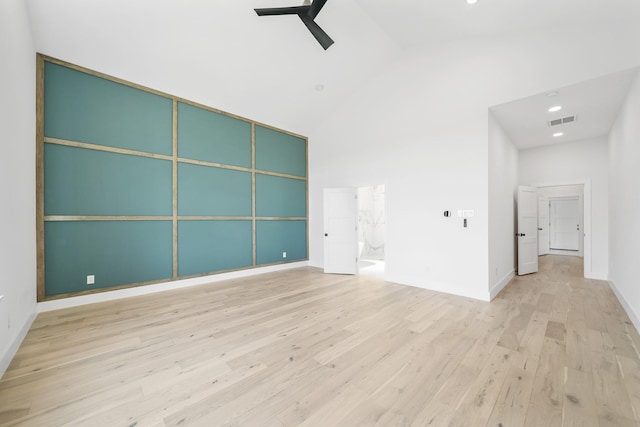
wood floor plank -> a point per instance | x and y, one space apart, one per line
611 394
299 347
580 408
578 356
513 401
516 326
547 397
630 368
480 399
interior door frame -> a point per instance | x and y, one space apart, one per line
580 199
586 217
544 251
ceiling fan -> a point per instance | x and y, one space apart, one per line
307 13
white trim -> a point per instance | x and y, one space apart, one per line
586 212
564 252
495 290
15 345
160 287
598 275
436 286
635 319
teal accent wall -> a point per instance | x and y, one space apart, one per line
116 252
78 181
280 197
137 206
280 152
206 190
209 246
213 137
85 108
275 237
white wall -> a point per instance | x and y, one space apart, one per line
503 186
573 163
17 179
420 127
624 204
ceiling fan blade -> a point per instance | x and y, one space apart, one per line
322 37
315 7
294 10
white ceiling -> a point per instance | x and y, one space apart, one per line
220 53
595 103
420 22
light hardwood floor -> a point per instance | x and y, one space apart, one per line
302 348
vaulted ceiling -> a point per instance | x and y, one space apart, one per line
270 69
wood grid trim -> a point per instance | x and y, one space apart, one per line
41 219
116 150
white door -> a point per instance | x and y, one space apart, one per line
543 226
527 230
341 230
565 223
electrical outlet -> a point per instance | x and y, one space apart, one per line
91 279
284 254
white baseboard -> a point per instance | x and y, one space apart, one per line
15 345
635 319
596 275
160 287
438 287
495 289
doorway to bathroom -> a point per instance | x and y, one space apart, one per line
372 229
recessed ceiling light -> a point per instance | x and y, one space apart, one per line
554 109
552 94
472 1
319 87
558 134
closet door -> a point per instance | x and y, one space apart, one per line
564 224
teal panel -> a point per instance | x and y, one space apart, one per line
86 108
280 197
205 135
209 246
280 152
116 252
275 237
79 181
210 191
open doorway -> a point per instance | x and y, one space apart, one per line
563 224
371 230
561 220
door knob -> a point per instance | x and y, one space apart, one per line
326 234
540 229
